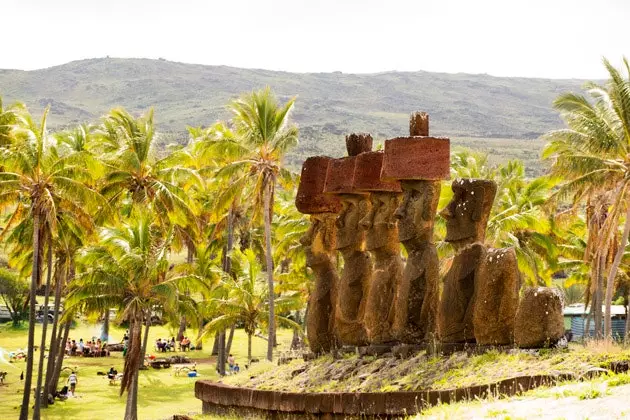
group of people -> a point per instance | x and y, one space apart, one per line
165 345
93 348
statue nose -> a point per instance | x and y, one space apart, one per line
399 213
365 224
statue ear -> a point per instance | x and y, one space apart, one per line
427 213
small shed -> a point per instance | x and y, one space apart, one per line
575 320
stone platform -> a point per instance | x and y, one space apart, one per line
221 399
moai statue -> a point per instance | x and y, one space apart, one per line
381 230
319 247
350 242
539 319
419 162
466 219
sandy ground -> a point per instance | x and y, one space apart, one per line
573 401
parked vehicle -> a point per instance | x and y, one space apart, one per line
5 314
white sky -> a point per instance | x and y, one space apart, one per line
532 38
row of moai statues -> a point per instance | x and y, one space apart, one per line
363 207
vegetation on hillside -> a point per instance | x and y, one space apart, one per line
330 105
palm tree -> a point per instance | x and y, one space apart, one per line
135 175
40 185
592 153
245 299
262 130
128 269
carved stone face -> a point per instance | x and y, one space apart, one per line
416 213
468 211
379 223
349 233
319 239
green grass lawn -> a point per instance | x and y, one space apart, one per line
161 394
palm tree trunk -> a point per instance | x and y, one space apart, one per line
249 350
105 331
66 332
146 337
610 283
228 346
221 357
31 316
227 268
54 382
131 409
42 349
189 259
597 298
215 345
269 262
54 335
199 334
132 367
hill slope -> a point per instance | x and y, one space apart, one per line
329 105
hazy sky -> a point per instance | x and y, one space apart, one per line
533 38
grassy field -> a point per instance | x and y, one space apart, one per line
161 394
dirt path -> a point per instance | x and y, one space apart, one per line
573 401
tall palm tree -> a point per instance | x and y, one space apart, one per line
592 153
262 130
128 269
245 299
40 184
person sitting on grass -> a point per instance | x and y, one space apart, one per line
111 375
185 344
236 369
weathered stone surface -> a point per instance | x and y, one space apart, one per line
539 319
367 174
468 211
421 158
340 176
228 400
417 295
319 247
357 143
419 124
458 297
496 297
310 198
357 271
382 242
466 219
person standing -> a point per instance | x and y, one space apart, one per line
73 380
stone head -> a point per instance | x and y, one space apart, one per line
349 233
468 211
416 213
380 223
319 240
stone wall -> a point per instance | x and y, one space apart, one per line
224 399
